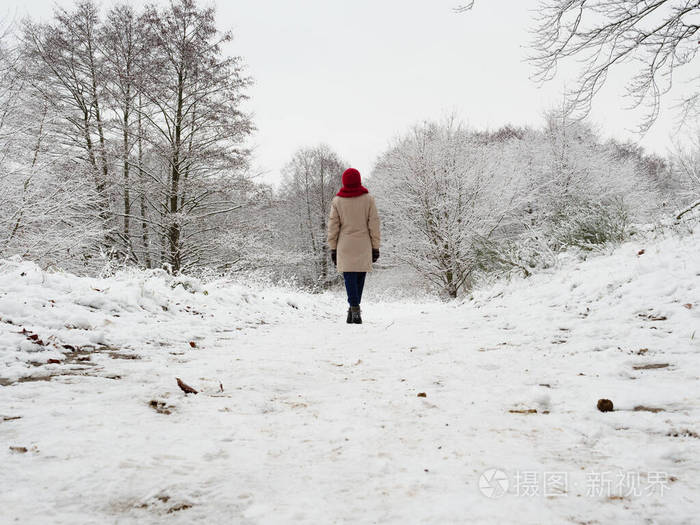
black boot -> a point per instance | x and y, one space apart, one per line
349 321
355 311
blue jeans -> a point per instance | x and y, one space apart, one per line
354 283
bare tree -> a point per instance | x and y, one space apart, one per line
660 36
143 106
198 128
46 202
311 179
63 66
125 53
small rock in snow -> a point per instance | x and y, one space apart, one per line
605 405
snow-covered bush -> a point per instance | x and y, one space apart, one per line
592 224
686 169
458 204
440 192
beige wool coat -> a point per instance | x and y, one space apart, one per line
353 230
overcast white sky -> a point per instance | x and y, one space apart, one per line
356 73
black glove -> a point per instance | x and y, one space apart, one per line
334 257
375 255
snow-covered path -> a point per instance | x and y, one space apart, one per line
320 422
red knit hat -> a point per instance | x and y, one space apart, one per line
352 184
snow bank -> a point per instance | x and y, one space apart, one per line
45 315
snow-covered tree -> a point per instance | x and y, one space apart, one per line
460 204
62 63
439 197
686 166
47 204
311 179
146 106
125 53
198 131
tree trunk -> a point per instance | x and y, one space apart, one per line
174 227
98 116
144 223
127 197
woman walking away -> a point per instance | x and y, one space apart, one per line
353 237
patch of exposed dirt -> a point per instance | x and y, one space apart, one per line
27 379
160 501
81 357
684 433
650 366
643 408
161 407
179 507
653 317
121 355
78 355
49 377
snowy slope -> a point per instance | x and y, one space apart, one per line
320 422
129 312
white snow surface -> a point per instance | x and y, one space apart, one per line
321 422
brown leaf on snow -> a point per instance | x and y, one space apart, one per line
193 344
688 306
641 252
187 389
421 394
523 411
34 338
54 361
19 450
